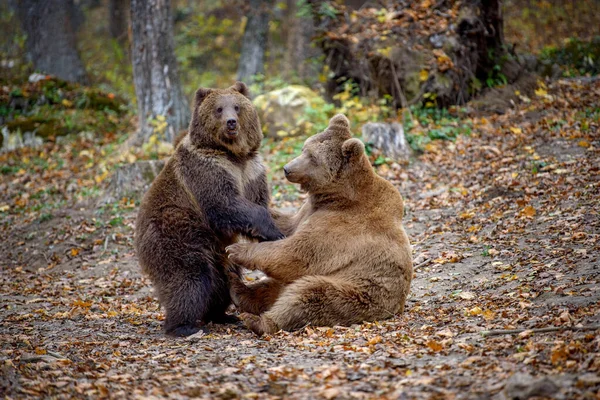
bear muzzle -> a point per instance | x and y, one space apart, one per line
232 127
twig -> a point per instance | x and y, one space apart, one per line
422 264
403 101
539 330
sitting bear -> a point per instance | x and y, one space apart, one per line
210 191
346 258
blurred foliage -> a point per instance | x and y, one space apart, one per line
575 57
535 24
208 38
13 65
207 49
432 123
52 107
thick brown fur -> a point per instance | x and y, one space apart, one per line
346 258
211 190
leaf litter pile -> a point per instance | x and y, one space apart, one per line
504 224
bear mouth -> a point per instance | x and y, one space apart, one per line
232 132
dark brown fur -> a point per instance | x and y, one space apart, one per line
346 259
211 190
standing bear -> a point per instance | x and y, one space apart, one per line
211 190
346 258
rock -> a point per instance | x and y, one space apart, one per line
283 112
387 138
529 62
522 386
132 180
15 140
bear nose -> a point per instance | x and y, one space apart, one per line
286 171
231 124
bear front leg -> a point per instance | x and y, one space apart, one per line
242 216
278 260
288 223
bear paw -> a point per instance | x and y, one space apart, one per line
184 330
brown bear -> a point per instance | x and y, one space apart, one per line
346 258
211 190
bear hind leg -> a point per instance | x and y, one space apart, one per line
319 301
186 304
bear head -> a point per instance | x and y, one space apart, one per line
225 119
331 161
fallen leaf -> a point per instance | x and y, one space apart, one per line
435 346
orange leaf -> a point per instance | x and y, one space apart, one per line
528 211
435 346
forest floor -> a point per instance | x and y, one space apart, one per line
505 227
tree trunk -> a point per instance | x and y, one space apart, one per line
51 44
117 10
301 29
254 43
488 37
155 76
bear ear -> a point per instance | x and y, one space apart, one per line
353 149
242 88
201 95
339 121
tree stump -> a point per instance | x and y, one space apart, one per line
389 139
132 180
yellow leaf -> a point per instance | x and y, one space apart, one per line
467 215
75 252
161 118
516 130
514 175
423 75
100 178
40 351
584 143
528 211
67 103
82 304
488 315
541 92
475 311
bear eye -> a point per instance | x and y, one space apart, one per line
237 108
220 109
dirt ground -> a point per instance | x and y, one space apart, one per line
505 227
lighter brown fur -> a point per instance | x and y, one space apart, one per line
347 258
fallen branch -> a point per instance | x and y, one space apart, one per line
422 264
539 330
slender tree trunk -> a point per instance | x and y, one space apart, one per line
117 23
254 43
155 76
51 44
301 29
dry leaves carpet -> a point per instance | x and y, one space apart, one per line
505 225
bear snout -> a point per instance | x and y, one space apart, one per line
231 124
286 171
